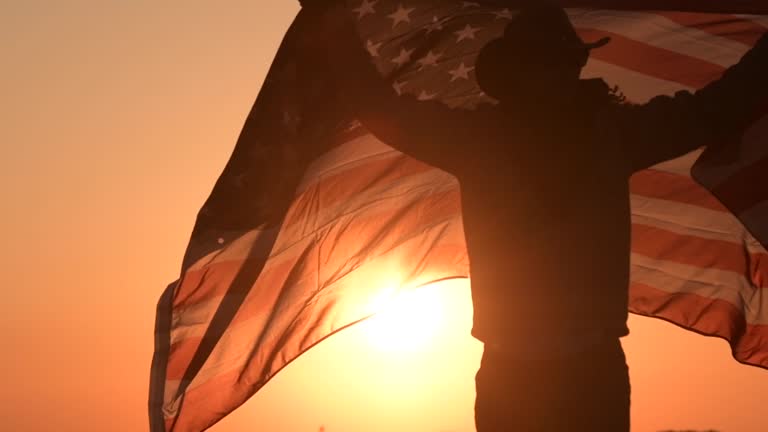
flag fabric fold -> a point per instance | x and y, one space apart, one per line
306 233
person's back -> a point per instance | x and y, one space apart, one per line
546 221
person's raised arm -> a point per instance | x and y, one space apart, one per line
427 130
669 127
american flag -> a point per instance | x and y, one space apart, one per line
301 238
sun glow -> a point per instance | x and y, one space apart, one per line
408 322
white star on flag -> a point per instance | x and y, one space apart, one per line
424 96
373 48
403 58
401 15
429 60
435 25
468 32
365 8
503 14
398 86
462 71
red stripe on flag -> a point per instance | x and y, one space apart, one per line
214 280
653 61
701 252
673 187
335 189
209 281
179 356
340 187
268 287
724 26
204 405
712 317
415 218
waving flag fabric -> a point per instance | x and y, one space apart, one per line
313 224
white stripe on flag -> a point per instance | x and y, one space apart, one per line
637 87
701 221
708 283
661 32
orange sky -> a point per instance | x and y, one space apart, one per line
116 121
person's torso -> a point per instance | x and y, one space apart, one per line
547 225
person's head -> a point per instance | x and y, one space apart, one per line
539 57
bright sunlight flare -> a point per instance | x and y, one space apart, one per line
408 322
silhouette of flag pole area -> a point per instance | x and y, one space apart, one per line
285 253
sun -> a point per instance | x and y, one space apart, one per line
408 322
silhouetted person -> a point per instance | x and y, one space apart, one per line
545 201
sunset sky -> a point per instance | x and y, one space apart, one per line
117 118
